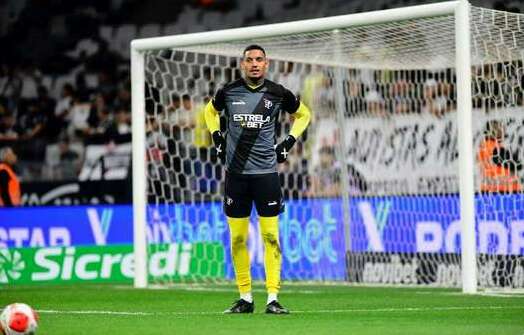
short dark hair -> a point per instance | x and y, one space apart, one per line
253 47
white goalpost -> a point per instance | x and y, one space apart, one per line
385 188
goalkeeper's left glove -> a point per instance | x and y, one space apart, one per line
282 149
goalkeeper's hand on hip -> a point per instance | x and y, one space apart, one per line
282 149
220 145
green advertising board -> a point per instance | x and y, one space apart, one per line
110 263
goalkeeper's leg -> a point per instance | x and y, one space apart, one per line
268 200
238 228
237 206
272 254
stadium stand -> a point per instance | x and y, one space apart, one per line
65 84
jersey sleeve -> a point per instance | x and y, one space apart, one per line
219 101
290 102
211 116
302 117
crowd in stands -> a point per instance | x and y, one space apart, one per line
65 81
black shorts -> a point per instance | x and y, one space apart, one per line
242 190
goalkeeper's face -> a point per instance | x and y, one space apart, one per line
254 64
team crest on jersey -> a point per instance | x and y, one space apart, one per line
267 103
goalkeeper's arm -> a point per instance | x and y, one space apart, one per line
212 118
301 120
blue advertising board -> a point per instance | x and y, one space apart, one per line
431 224
311 234
312 242
66 225
311 230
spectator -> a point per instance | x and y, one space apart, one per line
8 131
124 97
32 122
399 93
81 86
69 160
10 83
375 104
9 184
498 165
46 105
104 60
100 118
312 84
30 77
106 85
181 118
64 105
288 78
121 124
326 98
80 111
325 181
202 138
355 97
434 103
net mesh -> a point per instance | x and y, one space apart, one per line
384 132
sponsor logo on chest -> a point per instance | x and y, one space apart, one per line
251 121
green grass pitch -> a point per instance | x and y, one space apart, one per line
316 309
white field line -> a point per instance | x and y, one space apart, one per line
205 288
234 289
320 311
293 290
501 294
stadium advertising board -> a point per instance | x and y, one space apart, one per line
112 263
416 239
310 230
312 246
430 224
106 161
65 226
433 269
76 193
422 150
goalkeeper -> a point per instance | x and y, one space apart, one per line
252 106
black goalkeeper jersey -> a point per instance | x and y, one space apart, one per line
251 116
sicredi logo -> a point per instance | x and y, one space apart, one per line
11 265
69 264
92 263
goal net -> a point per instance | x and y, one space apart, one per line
372 187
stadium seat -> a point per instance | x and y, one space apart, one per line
87 45
149 30
171 29
47 81
106 33
122 38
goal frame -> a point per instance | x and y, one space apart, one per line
459 9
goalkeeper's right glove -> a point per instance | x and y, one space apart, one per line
220 145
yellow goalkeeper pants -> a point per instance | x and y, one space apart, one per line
238 228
